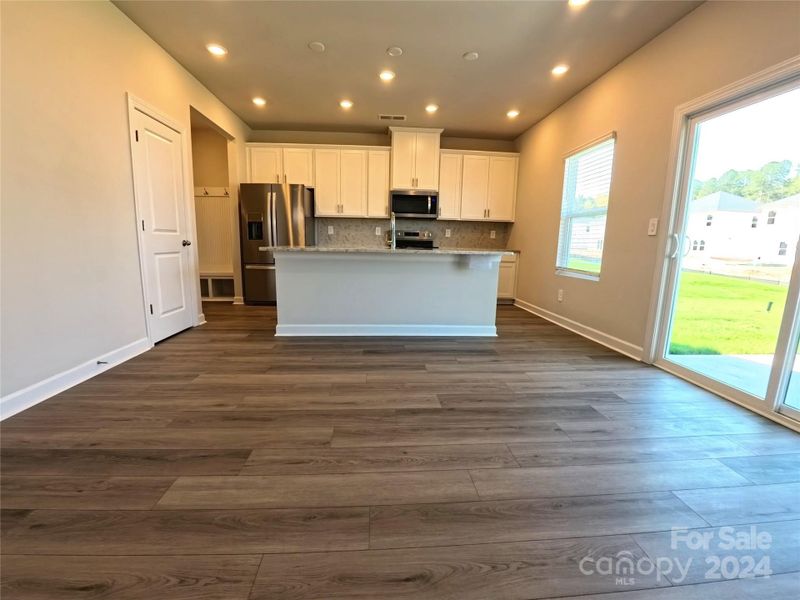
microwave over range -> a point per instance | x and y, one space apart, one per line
414 204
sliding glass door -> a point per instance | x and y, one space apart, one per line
731 306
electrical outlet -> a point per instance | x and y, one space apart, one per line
377 230
446 233
560 295
652 226
330 229
492 234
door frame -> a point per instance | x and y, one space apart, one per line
137 104
681 150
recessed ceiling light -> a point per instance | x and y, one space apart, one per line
216 49
316 46
431 108
387 75
512 114
345 104
394 51
578 3
258 101
470 56
560 69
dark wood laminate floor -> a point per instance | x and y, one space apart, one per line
227 463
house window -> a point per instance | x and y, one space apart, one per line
782 249
702 245
754 223
771 217
709 218
584 207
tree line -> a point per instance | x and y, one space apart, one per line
774 181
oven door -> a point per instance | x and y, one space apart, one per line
415 205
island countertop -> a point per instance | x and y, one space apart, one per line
399 251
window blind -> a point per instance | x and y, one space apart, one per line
584 206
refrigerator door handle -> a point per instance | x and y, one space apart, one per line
274 219
269 219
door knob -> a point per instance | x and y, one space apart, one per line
186 243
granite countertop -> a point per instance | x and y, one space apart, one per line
465 251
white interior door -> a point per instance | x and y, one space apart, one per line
160 191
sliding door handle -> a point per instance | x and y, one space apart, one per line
675 243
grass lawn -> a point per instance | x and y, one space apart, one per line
716 314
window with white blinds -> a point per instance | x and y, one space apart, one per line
584 205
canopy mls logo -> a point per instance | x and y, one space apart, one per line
718 554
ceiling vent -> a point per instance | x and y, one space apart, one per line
392 117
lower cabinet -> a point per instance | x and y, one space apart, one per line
507 281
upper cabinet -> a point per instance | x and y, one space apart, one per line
277 164
415 158
478 186
351 182
450 185
378 183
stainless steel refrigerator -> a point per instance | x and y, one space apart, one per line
271 215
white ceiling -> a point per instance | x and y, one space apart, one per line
518 42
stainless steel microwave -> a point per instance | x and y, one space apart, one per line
415 205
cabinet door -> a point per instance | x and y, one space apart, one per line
474 187
426 161
265 165
297 166
353 183
403 160
450 185
507 280
378 183
502 188
326 179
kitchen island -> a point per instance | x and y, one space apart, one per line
324 291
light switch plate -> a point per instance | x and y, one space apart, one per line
378 230
330 229
446 233
652 226
492 234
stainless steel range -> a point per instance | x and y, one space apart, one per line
412 239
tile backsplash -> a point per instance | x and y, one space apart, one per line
360 233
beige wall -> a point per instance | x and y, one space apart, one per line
209 158
715 45
71 287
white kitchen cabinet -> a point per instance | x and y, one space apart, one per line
488 185
378 183
265 165
475 187
353 183
326 180
502 188
276 164
415 158
507 279
298 166
450 185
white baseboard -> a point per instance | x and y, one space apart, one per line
18 401
386 330
609 341
238 299
201 319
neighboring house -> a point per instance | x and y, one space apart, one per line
779 224
727 227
